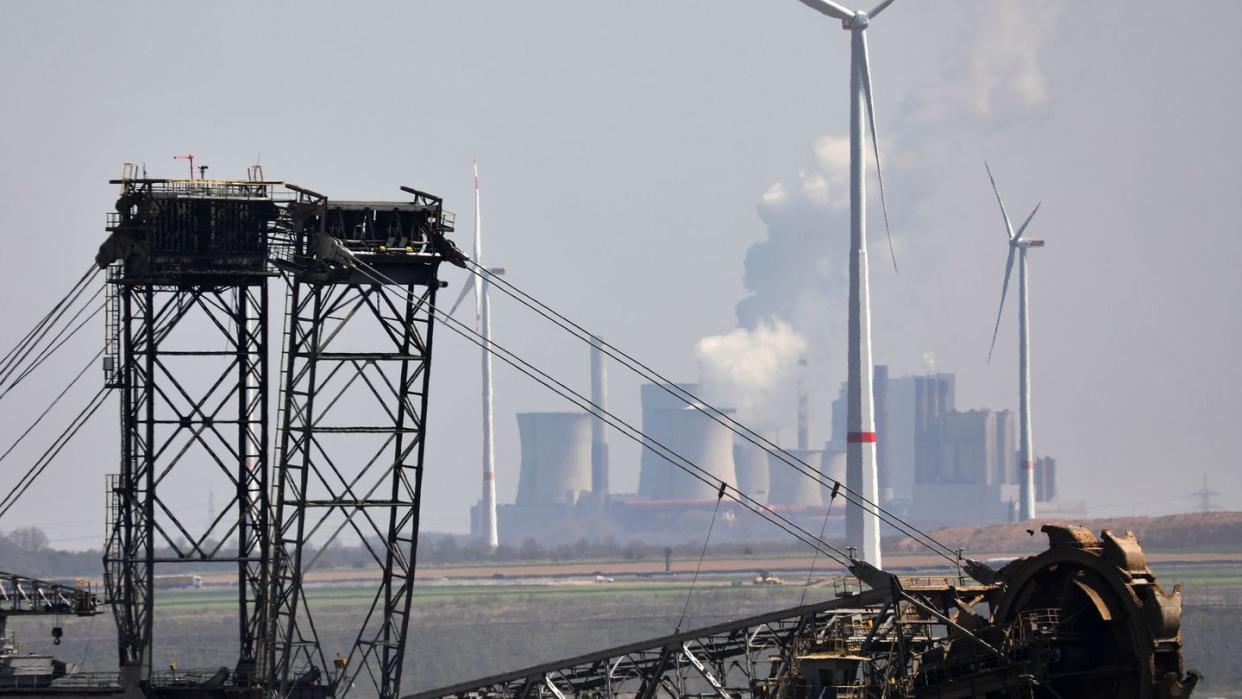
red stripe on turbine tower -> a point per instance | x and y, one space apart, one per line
861 437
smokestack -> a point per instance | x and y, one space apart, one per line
599 447
804 409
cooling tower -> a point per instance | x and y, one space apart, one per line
788 486
700 440
652 466
556 457
832 464
751 464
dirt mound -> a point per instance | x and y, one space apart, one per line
1206 531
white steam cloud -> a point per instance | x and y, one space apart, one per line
750 369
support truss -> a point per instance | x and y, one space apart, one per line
357 356
193 383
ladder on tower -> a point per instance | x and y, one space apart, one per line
112 328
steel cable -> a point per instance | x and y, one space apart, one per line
90 271
815 558
52 349
164 324
41 464
702 554
34 339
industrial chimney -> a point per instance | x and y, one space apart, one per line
804 408
599 447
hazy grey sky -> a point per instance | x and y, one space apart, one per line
632 152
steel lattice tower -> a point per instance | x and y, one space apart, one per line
357 355
188 308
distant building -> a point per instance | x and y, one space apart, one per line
940 465
907 415
975 448
1045 479
971 479
934 396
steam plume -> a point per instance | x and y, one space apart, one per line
750 369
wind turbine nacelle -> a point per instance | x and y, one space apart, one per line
1031 243
860 20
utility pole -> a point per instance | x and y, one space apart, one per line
1207 497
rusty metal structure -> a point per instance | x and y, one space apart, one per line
1085 619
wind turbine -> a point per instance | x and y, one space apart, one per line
483 324
1019 245
862 523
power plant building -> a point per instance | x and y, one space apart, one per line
940 465
908 411
1045 479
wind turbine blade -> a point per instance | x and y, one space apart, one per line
827 7
465 289
879 8
1027 222
1004 290
864 65
1008 226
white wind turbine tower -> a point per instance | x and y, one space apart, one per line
483 324
1026 458
862 524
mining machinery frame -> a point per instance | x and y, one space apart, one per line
1085 619
353 424
187 268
